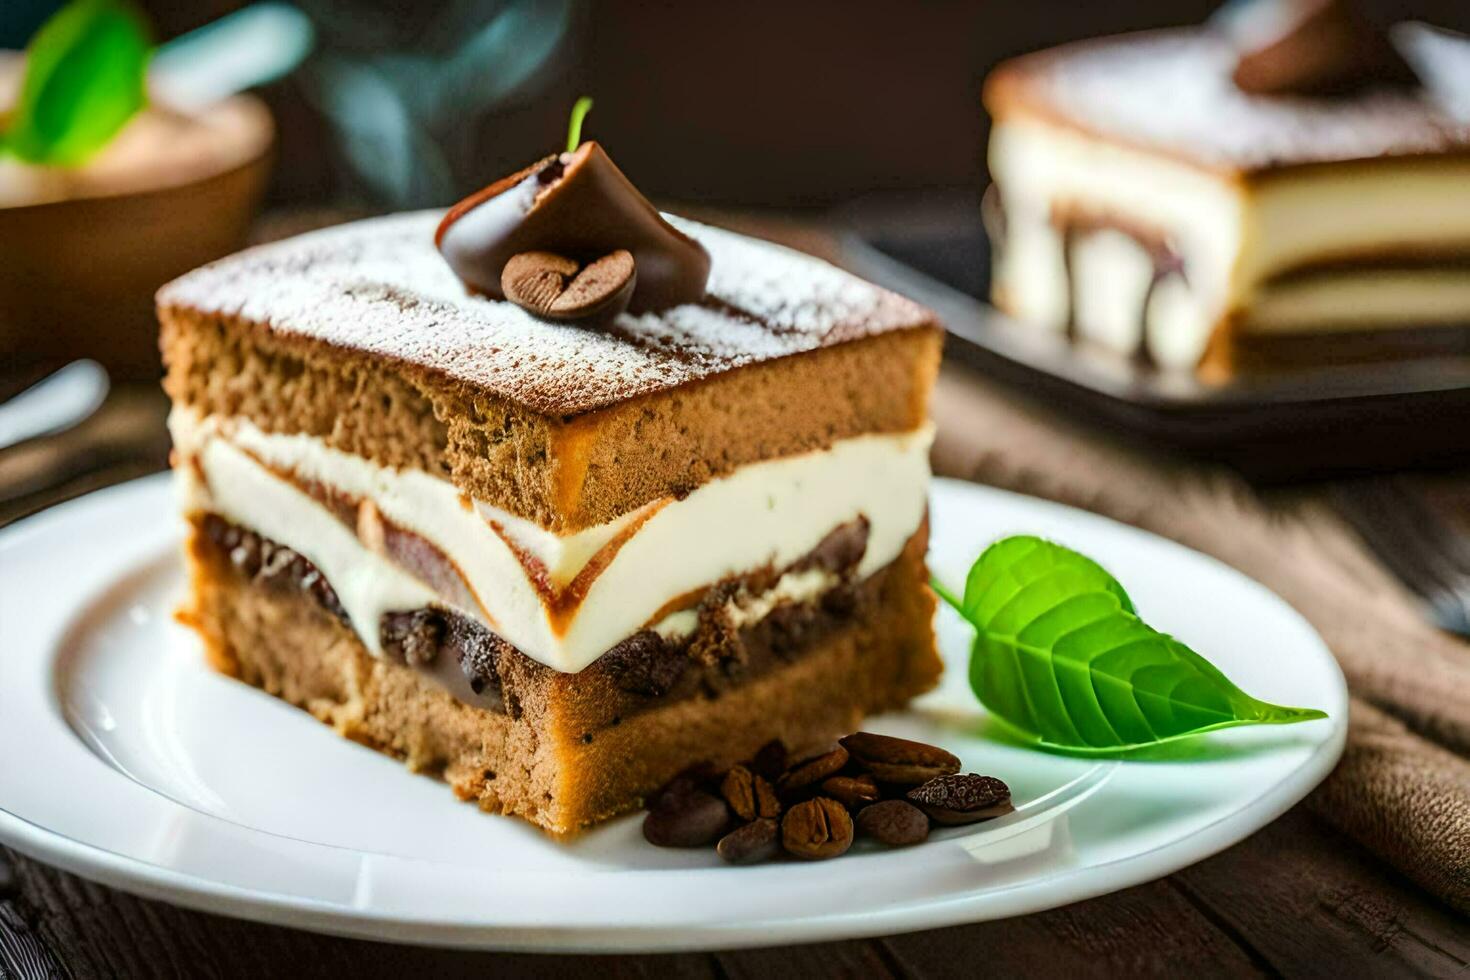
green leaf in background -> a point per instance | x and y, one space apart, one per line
85 77
1061 655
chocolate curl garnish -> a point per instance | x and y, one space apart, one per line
580 207
1311 47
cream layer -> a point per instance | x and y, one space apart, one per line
1363 299
544 593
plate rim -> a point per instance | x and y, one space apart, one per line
143 877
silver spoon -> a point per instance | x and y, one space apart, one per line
53 404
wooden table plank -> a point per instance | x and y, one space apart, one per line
100 932
1309 899
1297 899
22 952
867 959
1149 930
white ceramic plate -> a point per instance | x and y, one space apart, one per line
123 758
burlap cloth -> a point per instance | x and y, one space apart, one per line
1403 785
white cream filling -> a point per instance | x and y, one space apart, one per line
768 513
1030 272
801 586
241 490
1177 325
795 587
1111 273
1232 235
1368 299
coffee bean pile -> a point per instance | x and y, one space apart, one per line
890 790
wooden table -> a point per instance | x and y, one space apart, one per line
1297 899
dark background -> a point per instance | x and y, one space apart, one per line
760 102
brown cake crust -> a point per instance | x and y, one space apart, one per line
567 443
556 762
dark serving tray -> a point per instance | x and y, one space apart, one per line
1283 426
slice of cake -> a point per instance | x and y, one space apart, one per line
1213 200
555 563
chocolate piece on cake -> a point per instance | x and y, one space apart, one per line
580 207
555 564
1143 202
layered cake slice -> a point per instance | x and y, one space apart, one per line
1275 189
555 562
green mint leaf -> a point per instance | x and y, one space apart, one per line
1061 655
85 77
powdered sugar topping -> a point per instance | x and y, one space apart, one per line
1172 90
380 287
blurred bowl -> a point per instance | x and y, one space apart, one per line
83 251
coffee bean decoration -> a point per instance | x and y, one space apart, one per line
738 789
899 760
893 822
688 819
703 776
956 799
853 792
813 770
767 802
757 841
749 795
817 829
558 288
813 808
